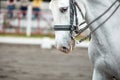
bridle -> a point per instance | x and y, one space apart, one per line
74 19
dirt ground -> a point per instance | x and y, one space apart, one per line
25 62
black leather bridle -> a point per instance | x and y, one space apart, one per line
73 18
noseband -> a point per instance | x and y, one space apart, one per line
74 19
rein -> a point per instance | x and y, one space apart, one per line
73 17
88 25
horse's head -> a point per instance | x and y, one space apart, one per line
62 21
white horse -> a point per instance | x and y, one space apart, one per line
104 48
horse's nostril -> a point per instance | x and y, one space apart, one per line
64 48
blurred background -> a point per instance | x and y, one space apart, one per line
27 50
19 15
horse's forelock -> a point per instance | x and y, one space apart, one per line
52 4
59 3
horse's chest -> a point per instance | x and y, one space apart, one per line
113 64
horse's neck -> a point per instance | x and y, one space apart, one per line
110 31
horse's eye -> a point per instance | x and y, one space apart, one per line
63 9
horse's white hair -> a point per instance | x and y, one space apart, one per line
104 48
